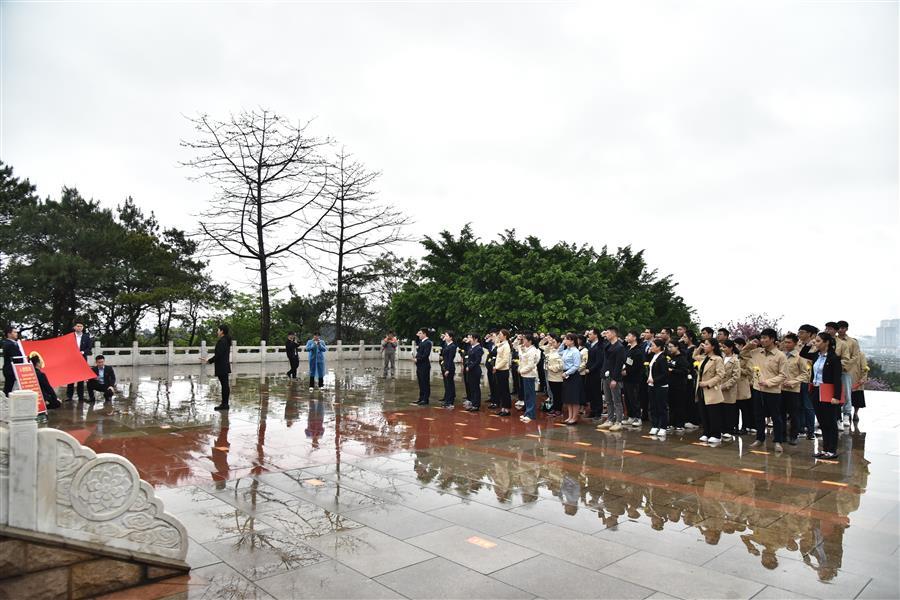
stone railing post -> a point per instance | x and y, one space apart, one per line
170 353
233 357
340 349
203 351
4 459
362 349
262 351
98 348
135 354
23 453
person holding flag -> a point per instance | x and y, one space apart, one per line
11 351
85 345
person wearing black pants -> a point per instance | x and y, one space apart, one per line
593 374
634 374
501 373
86 348
710 399
491 348
448 369
769 364
423 367
291 350
472 376
658 389
680 387
221 358
825 381
11 353
795 371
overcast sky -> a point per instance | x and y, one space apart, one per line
750 147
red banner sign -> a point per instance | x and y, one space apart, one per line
28 380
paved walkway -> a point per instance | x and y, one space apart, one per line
350 492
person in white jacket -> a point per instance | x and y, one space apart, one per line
529 357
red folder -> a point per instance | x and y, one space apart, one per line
826 392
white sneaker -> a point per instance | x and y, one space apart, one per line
526 420
690 426
703 438
654 431
636 422
520 405
679 430
661 435
727 437
310 389
670 428
616 427
714 441
605 425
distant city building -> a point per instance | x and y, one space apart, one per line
888 334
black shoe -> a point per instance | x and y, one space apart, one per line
492 405
447 406
810 436
419 403
68 398
473 409
221 407
792 441
54 404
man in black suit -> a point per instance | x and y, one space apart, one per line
11 351
104 380
423 367
448 369
221 358
472 375
593 380
291 348
86 347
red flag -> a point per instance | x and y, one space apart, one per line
63 363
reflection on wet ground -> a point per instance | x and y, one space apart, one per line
351 492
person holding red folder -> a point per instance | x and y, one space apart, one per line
825 390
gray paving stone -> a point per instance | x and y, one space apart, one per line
441 579
370 552
472 549
579 548
550 577
326 581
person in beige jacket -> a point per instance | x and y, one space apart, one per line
710 375
730 386
860 373
745 391
795 376
501 372
767 362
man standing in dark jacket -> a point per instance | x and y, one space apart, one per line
11 351
221 358
423 367
291 348
472 375
448 369
491 348
86 347
633 376
613 360
593 380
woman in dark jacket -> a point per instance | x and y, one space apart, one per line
658 389
681 386
826 369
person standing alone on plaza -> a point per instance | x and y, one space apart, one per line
389 352
221 358
316 350
291 349
423 367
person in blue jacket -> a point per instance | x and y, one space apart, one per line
316 350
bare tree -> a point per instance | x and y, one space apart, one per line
271 198
358 227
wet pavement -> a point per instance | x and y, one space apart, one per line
350 492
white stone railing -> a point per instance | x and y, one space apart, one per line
135 355
52 485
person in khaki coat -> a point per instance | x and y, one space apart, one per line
710 375
745 391
730 386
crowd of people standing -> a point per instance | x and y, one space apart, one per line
784 386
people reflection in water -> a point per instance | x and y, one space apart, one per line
292 404
315 420
220 454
